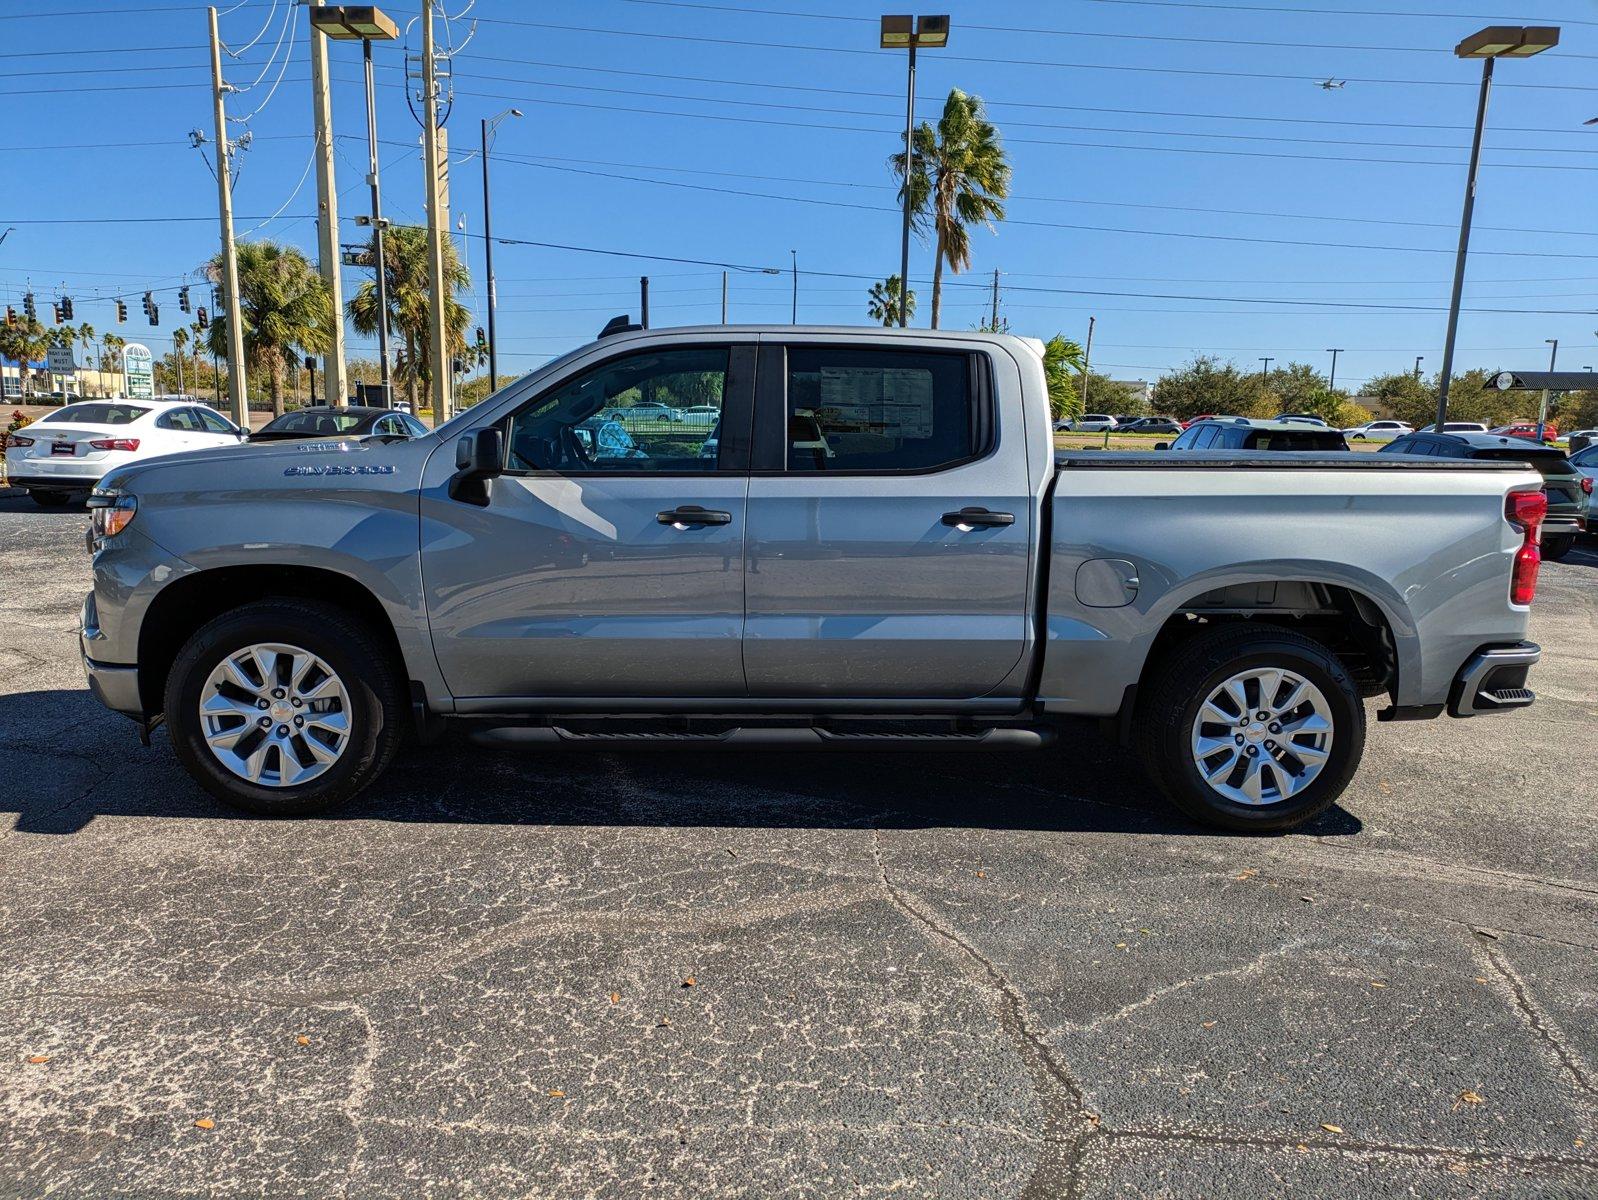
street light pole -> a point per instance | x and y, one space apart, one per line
1542 412
909 33
1419 358
488 250
1490 44
377 220
794 320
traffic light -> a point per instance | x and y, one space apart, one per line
55 313
155 314
183 299
202 318
27 307
66 307
11 315
148 303
122 313
482 341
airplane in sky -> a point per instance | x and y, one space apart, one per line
1331 85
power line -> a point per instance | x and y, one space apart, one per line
1009 62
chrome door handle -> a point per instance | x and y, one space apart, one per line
972 517
691 514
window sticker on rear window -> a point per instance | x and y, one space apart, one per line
891 402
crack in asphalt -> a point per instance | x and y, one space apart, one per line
1064 1108
1542 1025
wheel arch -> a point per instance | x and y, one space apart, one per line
178 610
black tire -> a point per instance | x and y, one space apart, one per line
355 653
1169 706
45 498
1555 548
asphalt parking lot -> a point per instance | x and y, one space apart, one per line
779 975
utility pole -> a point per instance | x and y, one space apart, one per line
327 248
1087 359
238 386
643 300
1542 412
995 320
435 149
794 320
489 124
1265 371
1331 382
724 297
1419 358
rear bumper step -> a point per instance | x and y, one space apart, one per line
744 738
1494 680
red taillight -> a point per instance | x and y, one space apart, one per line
1586 484
1526 510
115 444
16 439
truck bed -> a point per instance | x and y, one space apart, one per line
1275 460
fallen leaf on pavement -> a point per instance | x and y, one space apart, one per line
982 874
1481 980
1246 873
205 1123
1469 1097
615 997
557 1093
689 981
38 1058
663 1023
1209 1024
1331 1128
1377 983
302 1040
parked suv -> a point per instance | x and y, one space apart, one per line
1241 433
1569 490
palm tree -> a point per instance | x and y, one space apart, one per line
882 303
1061 356
285 308
409 291
25 342
111 352
180 342
959 176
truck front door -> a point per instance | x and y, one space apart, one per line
608 561
890 533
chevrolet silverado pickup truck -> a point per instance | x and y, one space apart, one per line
873 545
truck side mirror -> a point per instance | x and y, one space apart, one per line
479 456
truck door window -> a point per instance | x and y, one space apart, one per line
880 410
655 411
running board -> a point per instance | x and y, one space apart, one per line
546 736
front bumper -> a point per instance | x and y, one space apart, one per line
1494 680
114 685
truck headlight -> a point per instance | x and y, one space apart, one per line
111 511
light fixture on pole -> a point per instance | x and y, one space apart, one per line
489 125
1489 45
363 23
911 34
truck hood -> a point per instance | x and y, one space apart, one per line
217 467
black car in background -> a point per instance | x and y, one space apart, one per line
1241 433
323 420
1566 488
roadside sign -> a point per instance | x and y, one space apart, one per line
138 372
60 361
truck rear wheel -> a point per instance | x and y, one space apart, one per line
1251 727
1555 548
284 707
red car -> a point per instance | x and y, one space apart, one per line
1528 430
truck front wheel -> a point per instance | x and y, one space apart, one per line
1251 727
284 707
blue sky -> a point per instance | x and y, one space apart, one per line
1166 156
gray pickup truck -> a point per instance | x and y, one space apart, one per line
838 538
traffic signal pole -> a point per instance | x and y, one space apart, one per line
237 384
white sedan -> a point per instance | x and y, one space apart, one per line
67 451
1378 431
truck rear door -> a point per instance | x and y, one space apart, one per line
890 526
